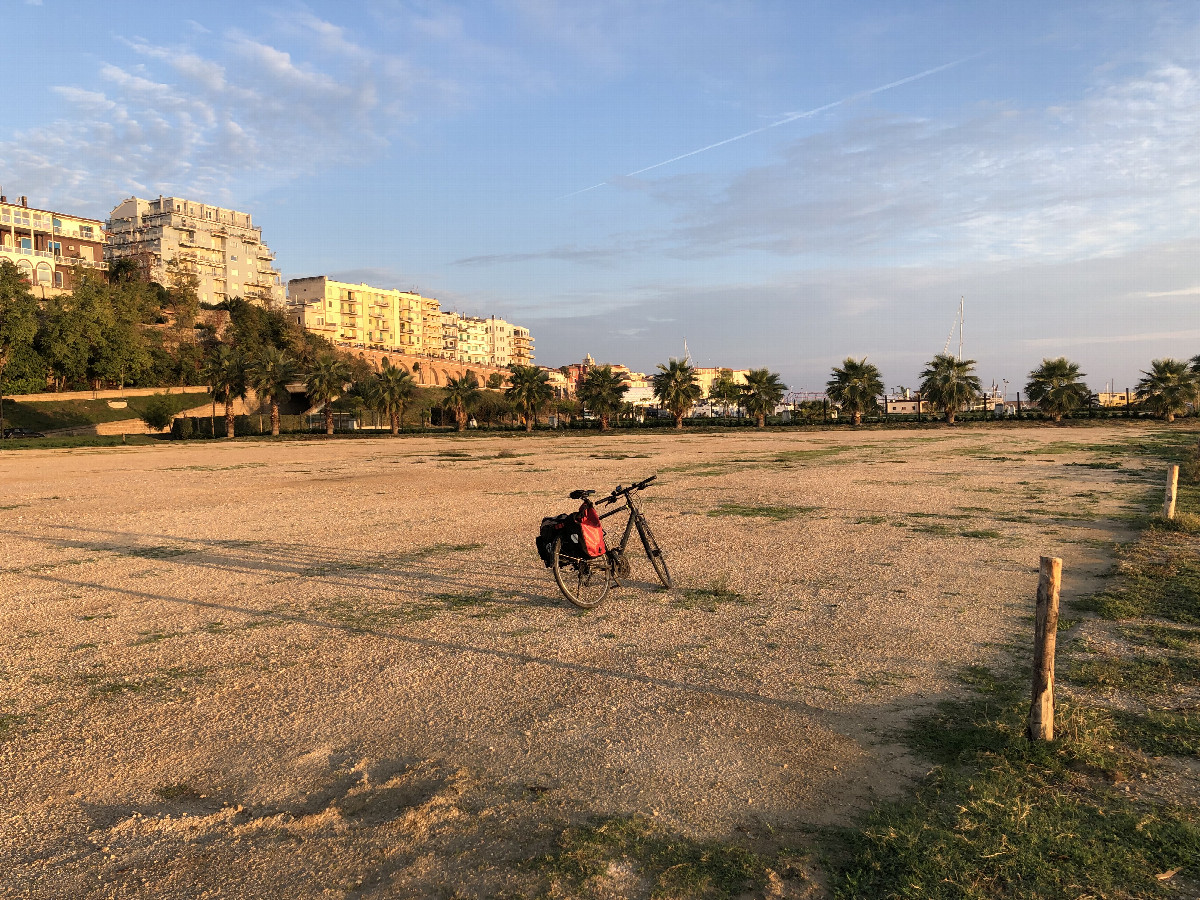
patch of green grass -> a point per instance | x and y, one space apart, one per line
176 791
667 865
1161 732
1095 465
9 722
1143 674
383 562
706 599
153 637
981 533
47 415
870 520
1158 577
358 616
779 513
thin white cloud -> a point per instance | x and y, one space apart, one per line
1115 170
216 117
1181 292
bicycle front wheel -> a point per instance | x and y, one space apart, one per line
654 552
584 582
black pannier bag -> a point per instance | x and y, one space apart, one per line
566 525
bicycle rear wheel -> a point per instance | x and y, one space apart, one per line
654 552
584 582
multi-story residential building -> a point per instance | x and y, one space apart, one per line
222 247
403 322
364 316
473 342
522 346
48 247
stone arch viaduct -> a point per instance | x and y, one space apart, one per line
431 371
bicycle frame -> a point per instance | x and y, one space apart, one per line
634 514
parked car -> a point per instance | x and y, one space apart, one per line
22 433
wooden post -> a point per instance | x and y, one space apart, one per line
1172 488
1041 709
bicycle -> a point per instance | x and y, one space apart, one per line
585 581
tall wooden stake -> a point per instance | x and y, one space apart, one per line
1041 709
1172 489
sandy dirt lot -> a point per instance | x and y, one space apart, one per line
338 669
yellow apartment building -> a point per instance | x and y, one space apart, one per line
360 315
221 246
49 248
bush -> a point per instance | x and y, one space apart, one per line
158 412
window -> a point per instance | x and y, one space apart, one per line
54 247
25 267
85 232
44 273
58 279
57 224
26 243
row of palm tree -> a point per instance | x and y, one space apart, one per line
231 376
948 383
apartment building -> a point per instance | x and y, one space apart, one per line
49 248
221 246
364 316
522 346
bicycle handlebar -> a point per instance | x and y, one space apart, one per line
619 491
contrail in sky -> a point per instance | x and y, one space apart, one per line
789 117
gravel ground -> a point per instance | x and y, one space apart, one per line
338 668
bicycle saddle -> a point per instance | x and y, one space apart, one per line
580 494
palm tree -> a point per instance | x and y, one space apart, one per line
326 382
762 393
676 388
529 390
1056 388
396 390
854 387
602 391
226 378
948 382
269 374
461 395
1168 388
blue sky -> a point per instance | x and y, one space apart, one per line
1049 173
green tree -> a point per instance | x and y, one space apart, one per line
225 375
725 390
949 383
492 406
855 387
495 381
1057 388
461 395
762 392
326 382
268 374
158 412
1169 387
676 388
602 391
183 298
529 390
397 388
18 328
